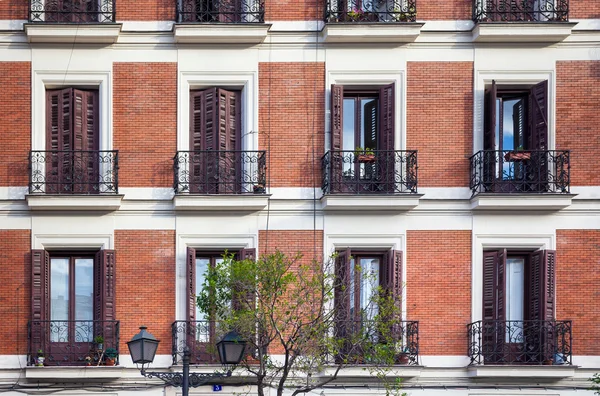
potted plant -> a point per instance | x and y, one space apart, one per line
40 358
88 360
518 155
401 15
259 188
99 341
366 155
110 355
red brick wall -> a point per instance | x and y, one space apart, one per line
440 121
584 9
578 286
145 267
577 118
438 281
15 122
146 10
444 9
145 123
294 10
291 122
14 9
15 293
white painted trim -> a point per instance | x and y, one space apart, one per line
455 193
433 361
12 24
146 26
71 241
503 77
43 79
147 193
295 26
586 24
448 26
371 78
13 193
486 241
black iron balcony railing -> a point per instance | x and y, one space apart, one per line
520 172
525 342
71 342
369 11
58 11
377 172
200 337
74 172
221 11
368 342
521 10
220 172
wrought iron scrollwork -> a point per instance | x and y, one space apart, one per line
527 342
520 172
85 11
220 172
221 11
176 379
521 10
370 11
382 172
73 172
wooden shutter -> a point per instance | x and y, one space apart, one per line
541 290
549 297
391 273
104 297
86 128
489 128
191 284
386 159
40 299
228 141
342 293
59 135
493 326
337 115
202 138
538 117
490 265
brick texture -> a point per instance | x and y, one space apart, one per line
14 9
294 10
15 122
438 269
577 118
145 267
15 293
443 10
578 286
146 10
291 112
145 123
584 9
440 121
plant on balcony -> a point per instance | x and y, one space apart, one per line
517 155
99 341
400 15
110 355
360 15
285 303
41 358
366 155
258 188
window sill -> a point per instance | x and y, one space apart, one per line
371 32
518 32
74 202
384 203
249 33
74 373
518 371
240 202
542 202
99 33
362 371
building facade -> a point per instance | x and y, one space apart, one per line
452 142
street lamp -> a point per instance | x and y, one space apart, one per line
143 345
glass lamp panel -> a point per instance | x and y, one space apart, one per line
232 352
135 350
149 350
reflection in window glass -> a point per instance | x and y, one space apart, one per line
59 297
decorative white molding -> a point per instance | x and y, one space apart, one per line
371 33
384 203
251 33
97 33
71 241
74 373
221 202
522 32
521 371
74 202
549 202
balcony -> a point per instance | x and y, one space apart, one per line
72 21
524 343
521 20
371 21
381 180
74 180
200 338
220 180
520 180
397 344
71 343
220 21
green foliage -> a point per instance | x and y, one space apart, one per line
111 353
285 306
596 383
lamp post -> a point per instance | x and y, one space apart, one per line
143 345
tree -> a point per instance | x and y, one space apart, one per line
596 383
286 310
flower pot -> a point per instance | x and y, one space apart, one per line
403 358
40 361
109 362
366 158
258 189
100 347
514 156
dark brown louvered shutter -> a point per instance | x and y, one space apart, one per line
342 296
549 302
489 138
86 142
493 325
490 265
203 119
536 287
228 141
538 107
391 273
386 158
336 156
59 136
40 299
104 297
191 325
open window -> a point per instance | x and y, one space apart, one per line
201 329
73 302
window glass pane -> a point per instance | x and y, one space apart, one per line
348 122
351 291
368 127
369 268
202 327
515 298
84 299
59 298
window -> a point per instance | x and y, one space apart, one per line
215 141
360 275
226 11
72 141
518 297
201 328
371 11
73 301
515 138
362 139
521 10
